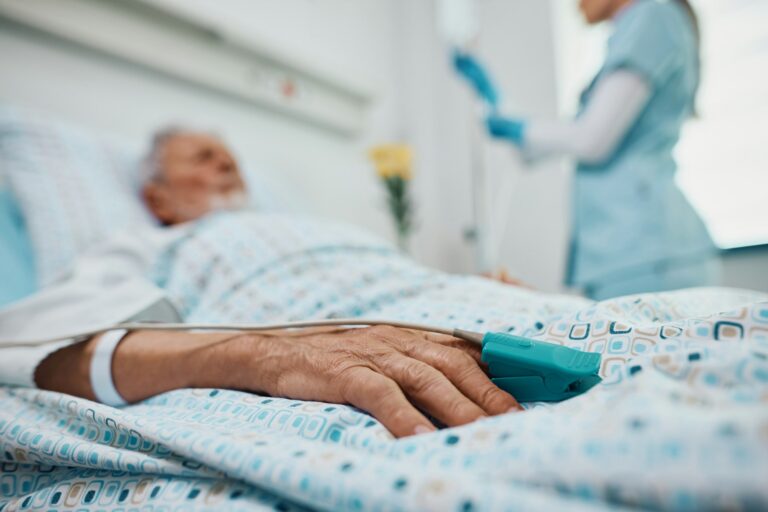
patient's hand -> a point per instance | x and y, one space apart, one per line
383 370
503 276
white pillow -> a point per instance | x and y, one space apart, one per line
73 188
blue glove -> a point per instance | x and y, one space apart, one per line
507 128
472 71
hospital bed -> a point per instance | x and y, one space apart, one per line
680 422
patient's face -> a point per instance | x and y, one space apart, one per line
199 175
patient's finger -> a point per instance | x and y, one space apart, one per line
383 398
431 390
466 375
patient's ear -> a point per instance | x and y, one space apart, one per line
158 201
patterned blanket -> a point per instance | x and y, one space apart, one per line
680 421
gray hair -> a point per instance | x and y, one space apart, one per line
152 163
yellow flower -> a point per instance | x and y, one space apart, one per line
392 160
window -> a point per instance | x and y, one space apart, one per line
723 155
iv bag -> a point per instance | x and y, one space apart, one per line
458 21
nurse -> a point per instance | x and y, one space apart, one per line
633 230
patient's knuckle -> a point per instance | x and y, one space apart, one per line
384 388
460 409
491 396
467 360
461 360
443 358
464 374
349 375
419 377
456 362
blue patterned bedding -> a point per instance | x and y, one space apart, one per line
680 421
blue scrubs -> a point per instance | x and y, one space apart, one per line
633 228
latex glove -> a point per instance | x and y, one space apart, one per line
472 71
507 128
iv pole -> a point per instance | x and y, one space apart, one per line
459 25
477 233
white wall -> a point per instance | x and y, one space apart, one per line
746 268
329 173
349 38
442 121
392 45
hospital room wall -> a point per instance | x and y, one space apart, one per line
326 173
349 39
352 40
391 45
444 124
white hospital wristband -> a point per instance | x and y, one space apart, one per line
101 368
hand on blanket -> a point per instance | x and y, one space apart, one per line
383 370
387 371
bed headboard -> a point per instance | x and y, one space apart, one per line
126 68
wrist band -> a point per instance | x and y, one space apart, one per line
101 368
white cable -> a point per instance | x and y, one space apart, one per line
81 336
286 325
101 368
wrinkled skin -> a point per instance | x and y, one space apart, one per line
392 373
397 375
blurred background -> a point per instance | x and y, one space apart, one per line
302 89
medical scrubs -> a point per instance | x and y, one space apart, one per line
634 230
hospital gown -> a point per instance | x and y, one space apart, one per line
680 421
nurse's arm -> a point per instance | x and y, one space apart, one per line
593 137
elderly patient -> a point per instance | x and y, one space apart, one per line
397 375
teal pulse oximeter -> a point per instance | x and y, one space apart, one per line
537 371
